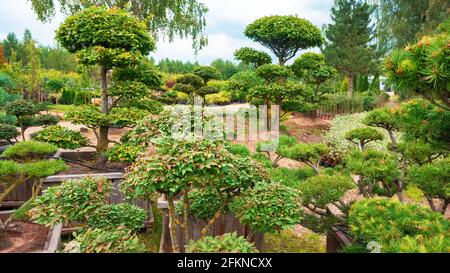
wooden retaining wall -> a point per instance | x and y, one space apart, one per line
226 223
337 239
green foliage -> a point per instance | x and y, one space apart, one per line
82 97
309 154
7 119
106 37
268 207
238 149
253 57
381 118
95 240
422 69
61 137
287 241
20 108
227 243
28 150
399 227
322 190
198 199
378 170
348 44
291 177
8 132
45 120
419 152
311 67
220 98
123 152
244 81
208 73
114 216
73 200
433 179
420 119
273 73
68 95
362 136
284 35
342 124
13 172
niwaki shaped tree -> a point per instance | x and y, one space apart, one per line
110 39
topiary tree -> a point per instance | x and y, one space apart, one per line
399 227
284 35
422 69
208 73
310 154
385 119
109 39
178 166
320 191
434 181
419 152
61 137
8 132
312 69
363 136
26 114
26 161
253 57
379 172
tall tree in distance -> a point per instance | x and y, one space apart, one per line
169 18
402 22
349 39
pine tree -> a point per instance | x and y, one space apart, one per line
349 39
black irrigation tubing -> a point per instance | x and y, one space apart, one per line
85 165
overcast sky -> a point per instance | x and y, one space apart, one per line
226 21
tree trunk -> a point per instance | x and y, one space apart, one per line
172 227
102 141
350 85
281 61
393 140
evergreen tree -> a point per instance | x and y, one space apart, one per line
349 39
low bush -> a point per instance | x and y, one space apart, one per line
28 150
221 98
399 227
287 241
117 215
268 207
61 137
123 152
227 243
8 132
291 177
82 97
73 200
203 204
95 240
45 120
8 119
238 149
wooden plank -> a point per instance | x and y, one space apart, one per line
53 243
60 178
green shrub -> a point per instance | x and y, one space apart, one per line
203 204
322 190
8 132
227 243
45 120
61 137
399 227
123 152
117 215
288 242
362 136
291 177
8 119
82 97
28 150
68 95
73 200
268 207
95 240
220 98
238 149
11 171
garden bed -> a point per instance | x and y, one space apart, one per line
27 237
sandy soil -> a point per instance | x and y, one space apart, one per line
26 238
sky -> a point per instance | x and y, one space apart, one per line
226 21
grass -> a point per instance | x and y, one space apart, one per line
61 107
289 242
152 237
414 193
